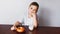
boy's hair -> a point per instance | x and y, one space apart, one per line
35 4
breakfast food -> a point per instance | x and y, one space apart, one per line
20 29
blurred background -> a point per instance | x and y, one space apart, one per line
13 10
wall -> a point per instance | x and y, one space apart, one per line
50 13
13 10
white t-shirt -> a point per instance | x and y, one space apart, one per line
27 22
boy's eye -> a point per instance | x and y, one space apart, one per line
31 8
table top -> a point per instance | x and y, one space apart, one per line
5 29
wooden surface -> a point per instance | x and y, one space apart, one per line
5 29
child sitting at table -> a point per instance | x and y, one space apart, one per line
31 19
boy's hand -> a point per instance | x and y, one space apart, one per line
34 15
13 28
35 19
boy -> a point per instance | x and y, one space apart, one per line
31 18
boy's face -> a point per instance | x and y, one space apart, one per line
32 9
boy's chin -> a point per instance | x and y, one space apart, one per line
34 13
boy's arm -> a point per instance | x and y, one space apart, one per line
35 20
14 26
17 23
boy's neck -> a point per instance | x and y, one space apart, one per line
30 15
